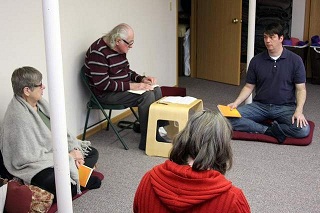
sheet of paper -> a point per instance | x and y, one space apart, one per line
178 99
141 91
137 91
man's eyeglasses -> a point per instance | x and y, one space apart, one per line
129 44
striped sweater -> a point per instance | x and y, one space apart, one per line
170 187
108 70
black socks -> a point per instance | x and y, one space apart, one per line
275 131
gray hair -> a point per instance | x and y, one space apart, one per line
120 31
25 77
206 139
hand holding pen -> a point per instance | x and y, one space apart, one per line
149 80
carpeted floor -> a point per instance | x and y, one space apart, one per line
274 178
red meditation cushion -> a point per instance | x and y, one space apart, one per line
18 198
54 206
237 135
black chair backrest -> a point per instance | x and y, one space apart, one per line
85 80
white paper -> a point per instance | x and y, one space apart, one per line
137 91
141 91
178 99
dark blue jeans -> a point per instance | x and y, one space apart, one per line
255 113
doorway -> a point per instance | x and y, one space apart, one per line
216 40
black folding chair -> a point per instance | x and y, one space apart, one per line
94 103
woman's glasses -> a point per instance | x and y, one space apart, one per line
35 86
38 85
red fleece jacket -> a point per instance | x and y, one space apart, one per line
170 187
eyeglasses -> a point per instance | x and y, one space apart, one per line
129 44
39 85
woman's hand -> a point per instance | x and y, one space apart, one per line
77 156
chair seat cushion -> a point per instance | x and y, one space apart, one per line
237 135
54 206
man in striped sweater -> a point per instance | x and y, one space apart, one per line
111 76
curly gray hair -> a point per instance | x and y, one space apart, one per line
120 31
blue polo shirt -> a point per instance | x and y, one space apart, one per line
275 80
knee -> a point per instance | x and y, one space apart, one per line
234 123
94 152
148 97
304 131
157 93
299 132
91 157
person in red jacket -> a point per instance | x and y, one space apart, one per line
193 180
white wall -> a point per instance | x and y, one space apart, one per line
21 43
298 13
82 22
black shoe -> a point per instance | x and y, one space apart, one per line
125 124
136 127
275 131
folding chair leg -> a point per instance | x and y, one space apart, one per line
108 121
115 130
86 124
118 135
134 113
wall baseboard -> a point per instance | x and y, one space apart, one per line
103 125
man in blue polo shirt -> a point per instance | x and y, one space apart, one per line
278 78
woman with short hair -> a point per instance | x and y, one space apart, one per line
26 142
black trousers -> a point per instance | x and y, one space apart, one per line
143 103
3 171
45 178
